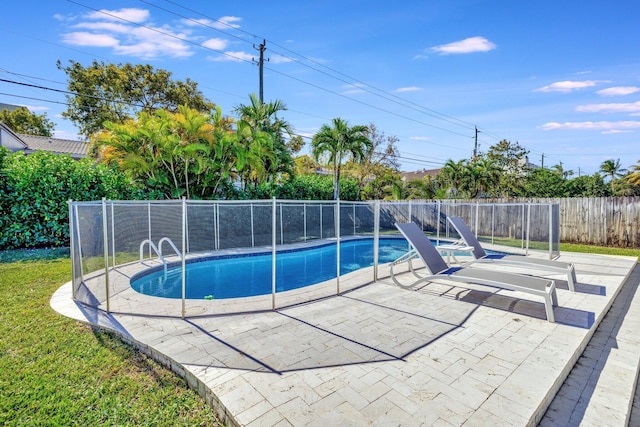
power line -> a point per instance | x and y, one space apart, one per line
351 81
273 70
164 33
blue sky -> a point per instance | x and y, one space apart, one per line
561 78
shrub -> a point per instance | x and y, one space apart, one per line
34 191
306 187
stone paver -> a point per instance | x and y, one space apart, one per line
381 355
601 389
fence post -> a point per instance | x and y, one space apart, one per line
72 247
184 255
526 252
337 221
321 209
105 235
376 237
550 231
253 243
354 219
304 214
438 224
113 235
281 227
274 210
216 223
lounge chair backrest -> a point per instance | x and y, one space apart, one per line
467 235
423 246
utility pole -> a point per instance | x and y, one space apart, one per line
261 48
475 147
542 161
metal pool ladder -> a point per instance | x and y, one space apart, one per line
158 250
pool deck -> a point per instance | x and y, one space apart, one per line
381 355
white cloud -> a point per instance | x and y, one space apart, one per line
469 45
279 59
233 56
628 107
81 38
127 14
105 26
215 44
420 138
63 18
619 91
615 131
353 89
226 22
598 126
223 23
408 89
567 86
146 42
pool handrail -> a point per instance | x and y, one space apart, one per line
155 249
173 246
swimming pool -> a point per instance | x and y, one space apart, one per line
250 275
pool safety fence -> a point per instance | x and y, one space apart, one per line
115 241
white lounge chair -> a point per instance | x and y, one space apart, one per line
516 260
438 269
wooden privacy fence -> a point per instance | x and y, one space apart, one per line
602 221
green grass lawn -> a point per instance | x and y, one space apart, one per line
56 371
574 247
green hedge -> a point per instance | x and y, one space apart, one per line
34 191
305 187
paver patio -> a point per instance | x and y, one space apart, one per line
381 355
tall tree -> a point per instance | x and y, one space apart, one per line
378 159
560 170
108 92
512 159
452 176
186 153
612 169
263 117
21 120
634 175
340 142
487 176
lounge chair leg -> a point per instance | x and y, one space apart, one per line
572 279
548 305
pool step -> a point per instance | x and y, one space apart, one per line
601 388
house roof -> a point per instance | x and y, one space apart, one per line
419 174
77 149
32 143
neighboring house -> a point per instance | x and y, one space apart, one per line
31 143
419 174
9 107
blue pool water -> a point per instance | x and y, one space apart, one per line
242 276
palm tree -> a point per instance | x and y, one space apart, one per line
634 176
487 176
613 169
340 142
263 117
560 170
452 175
